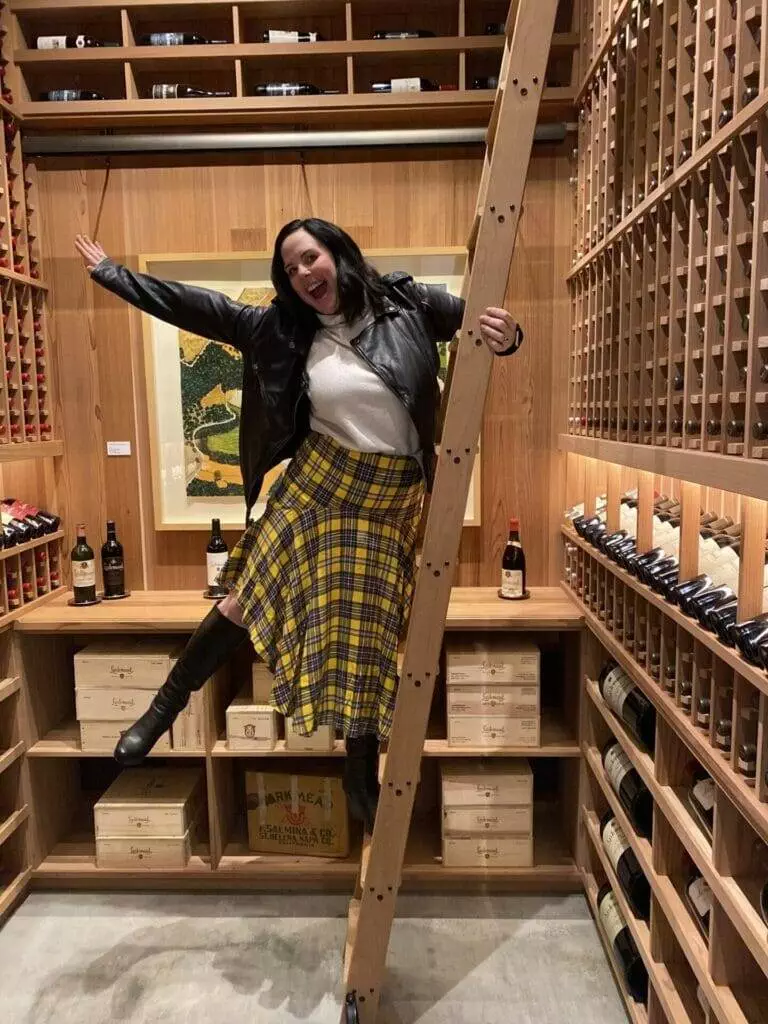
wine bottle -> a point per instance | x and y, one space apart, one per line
65 42
405 85
622 944
182 92
513 565
273 35
70 95
723 733
405 34
178 39
495 28
286 89
112 563
701 798
735 428
216 558
760 430
83 569
698 896
626 865
746 762
686 696
702 713
629 787
486 82
628 702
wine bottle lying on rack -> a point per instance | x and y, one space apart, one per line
622 944
178 39
70 95
701 798
278 36
286 89
405 85
79 42
625 698
405 34
629 787
175 91
698 896
626 865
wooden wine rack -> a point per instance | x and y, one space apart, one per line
669 288
347 60
662 649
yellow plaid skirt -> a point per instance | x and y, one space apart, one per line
324 580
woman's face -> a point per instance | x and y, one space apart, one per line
311 270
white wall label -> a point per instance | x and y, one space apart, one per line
118 447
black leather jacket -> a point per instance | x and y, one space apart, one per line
399 346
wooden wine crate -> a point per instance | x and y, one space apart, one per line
493 700
188 731
494 819
490 851
494 731
144 852
101 737
150 802
321 740
96 704
137 664
495 783
263 681
298 814
491 660
250 726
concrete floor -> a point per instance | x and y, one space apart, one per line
210 959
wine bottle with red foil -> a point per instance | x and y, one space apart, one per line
625 698
623 945
629 787
513 565
626 865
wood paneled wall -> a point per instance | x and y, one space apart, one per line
238 202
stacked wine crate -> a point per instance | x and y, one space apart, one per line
148 818
115 681
493 692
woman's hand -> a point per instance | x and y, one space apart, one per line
497 329
91 251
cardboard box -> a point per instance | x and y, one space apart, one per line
188 731
493 731
488 819
101 737
493 700
99 704
488 851
250 726
322 739
263 681
491 659
150 802
298 814
489 783
144 851
138 664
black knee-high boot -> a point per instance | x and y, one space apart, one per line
210 646
361 778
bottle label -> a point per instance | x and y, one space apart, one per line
701 897
406 85
615 842
166 39
512 582
704 794
215 562
276 36
165 92
84 573
617 766
114 574
616 688
747 765
611 917
60 95
53 42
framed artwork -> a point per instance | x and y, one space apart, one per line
194 386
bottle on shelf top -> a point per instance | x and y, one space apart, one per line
405 34
78 42
629 787
628 702
286 89
623 945
414 84
83 569
273 35
485 82
216 555
176 91
178 39
633 882
112 563
513 583
70 95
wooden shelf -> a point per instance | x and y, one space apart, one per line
30 545
11 755
729 473
64 741
730 655
180 611
13 822
9 686
13 890
75 859
11 452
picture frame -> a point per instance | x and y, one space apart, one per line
193 386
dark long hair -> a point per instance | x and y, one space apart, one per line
359 284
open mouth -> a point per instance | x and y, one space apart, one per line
317 291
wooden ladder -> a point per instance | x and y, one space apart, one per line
490 246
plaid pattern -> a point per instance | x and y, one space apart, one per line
325 580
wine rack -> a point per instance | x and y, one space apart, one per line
669 286
711 720
459 57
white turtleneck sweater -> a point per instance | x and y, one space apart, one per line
349 401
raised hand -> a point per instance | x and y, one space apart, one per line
91 251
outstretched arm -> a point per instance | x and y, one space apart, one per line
204 312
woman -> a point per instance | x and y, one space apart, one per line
339 373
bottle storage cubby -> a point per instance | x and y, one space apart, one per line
140 59
14 809
668 287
